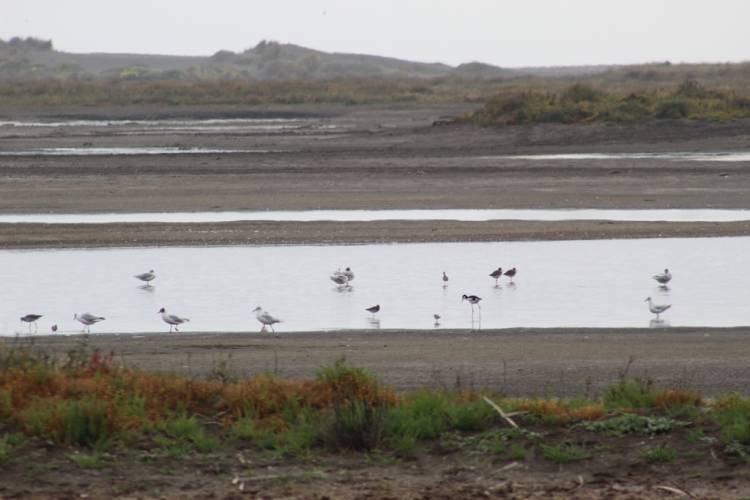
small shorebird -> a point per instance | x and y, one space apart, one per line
445 280
87 319
147 277
53 328
657 308
663 278
266 319
172 320
496 274
340 279
374 309
31 318
349 274
437 319
510 273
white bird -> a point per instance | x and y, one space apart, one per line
147 277
31 318
172 320
87 319
657 308
349 274
266 319
663 278
340 279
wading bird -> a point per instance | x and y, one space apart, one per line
265 319
497 273
663 278
87 319
147 277
510 273
473 300
657 308
31 318
340 279
172 320
374 309
445 280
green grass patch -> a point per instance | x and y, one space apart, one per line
563 453
663 454
631 423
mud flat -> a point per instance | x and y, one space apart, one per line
558 361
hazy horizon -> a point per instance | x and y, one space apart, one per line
532 33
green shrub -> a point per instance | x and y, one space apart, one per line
83 422
187 430
356 425
631 393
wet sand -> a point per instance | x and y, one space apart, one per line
552 362
317 233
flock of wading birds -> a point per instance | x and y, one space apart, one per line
342 279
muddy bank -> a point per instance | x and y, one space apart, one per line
526 362
318 233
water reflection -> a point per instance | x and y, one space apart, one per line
658 323
373 323
471 215
596 283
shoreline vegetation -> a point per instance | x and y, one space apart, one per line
91 413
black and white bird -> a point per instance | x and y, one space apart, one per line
510 273
445 280
31 318
374 309
663 278
266 319
87 319
172 320
657 308
146 277
496 274
474 301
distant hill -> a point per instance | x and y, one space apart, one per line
34 58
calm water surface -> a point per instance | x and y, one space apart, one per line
729 156
670 215
559 284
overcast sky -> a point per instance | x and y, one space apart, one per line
505 33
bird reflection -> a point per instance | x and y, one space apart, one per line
658 323
147 288
373 322
343 289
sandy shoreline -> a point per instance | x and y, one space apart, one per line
30 236
554 361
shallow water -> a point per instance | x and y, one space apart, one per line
559 284
728 156
192 125
672 215
91 151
